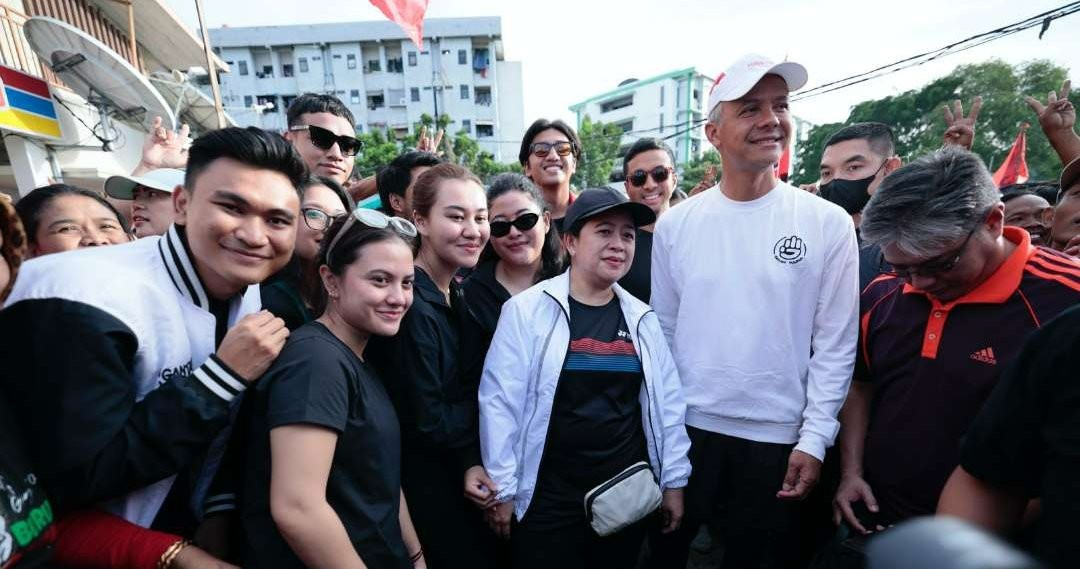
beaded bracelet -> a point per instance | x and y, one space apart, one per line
170 554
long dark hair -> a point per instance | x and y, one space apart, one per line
308 284
552 254
14 247
347 250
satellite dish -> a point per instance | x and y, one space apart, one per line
97 73
188 103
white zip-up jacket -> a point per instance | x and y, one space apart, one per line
521 373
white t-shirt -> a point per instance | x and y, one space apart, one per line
746 292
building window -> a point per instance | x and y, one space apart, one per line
483 96
350 61
376 101
303 65
354 96
661 120
248 101
697 95
372 66
287 101
485 131
412 59
268 102
414 94
462 57
286 70
394 65
626 126
466 125
464 91
661 95
268 71
243 68
615 104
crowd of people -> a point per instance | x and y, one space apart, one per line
523 374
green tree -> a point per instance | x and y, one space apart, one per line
916 116
599 150
695 170
378 152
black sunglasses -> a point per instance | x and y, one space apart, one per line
942 264
523 222
324 139
659 175
541 149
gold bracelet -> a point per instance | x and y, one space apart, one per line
170 554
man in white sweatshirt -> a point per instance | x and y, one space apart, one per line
755 283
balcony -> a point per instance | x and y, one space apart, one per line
15 51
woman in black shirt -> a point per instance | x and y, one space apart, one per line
323 478
424 373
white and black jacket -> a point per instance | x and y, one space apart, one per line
521 373
108 359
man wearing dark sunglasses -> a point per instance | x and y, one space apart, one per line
964 293
649 169
549 154
323 131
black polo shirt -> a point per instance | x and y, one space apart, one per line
933 365
1027 437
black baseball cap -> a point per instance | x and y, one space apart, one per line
594 201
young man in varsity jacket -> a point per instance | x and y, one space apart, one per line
121 362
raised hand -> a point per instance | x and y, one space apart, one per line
960 130
707 181
1058 114
427 144
164 148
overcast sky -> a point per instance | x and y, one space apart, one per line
573 49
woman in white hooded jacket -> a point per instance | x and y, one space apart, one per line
578 386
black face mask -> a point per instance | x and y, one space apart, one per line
851 195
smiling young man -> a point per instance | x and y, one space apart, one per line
323 131
550 151
755 283
123 360
649 169
936 334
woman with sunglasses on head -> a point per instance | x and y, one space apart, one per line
549 154
581 411
323 464
425 375
291 294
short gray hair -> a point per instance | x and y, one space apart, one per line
927 206
715 114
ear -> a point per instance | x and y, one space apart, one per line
569 243
995 221
546 218
712 134
1046 216
329 280
181 199
421 223
892 164
397 205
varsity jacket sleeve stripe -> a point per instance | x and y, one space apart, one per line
70 366
834 341
503 391
218 378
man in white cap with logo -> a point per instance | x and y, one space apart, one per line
755 283
150 195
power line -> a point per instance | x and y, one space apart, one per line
1042 19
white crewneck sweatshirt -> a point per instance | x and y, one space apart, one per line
759 301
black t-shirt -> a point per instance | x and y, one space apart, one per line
595 429
26 517
638 281
317 380
1027 437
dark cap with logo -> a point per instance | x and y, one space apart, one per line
595 201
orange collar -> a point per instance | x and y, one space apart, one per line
999 286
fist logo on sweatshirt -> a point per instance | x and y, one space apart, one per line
789 250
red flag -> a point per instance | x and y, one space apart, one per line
1014 169
783 168
409 14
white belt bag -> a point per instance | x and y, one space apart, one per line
626 498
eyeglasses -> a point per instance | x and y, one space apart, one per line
659 175
376 220
524 222
942 264
541 149
324 139
317 219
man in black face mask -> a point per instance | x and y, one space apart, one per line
855 161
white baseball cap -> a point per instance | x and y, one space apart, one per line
162 179
741 77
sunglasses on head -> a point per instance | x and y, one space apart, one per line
562 148
659 175
376 220
324 139
523 222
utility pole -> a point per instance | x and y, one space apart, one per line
214 87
